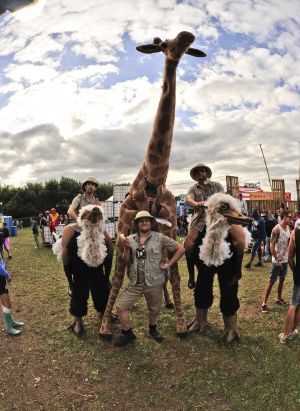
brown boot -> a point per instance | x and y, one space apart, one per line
230 332
200 322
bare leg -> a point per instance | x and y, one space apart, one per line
268 292
152 318
5 300
167 297
123 316
290 320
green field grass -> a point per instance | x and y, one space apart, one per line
60 371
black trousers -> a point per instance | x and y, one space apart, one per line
90 280
228 283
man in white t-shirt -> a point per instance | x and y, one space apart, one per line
279 243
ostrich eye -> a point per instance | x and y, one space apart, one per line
224 207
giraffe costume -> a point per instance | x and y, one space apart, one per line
148 191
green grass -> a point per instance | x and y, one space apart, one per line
199 373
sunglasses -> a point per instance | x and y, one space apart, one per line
201 170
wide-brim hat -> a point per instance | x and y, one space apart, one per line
200 165
90 180
143 214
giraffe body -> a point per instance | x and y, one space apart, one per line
148 191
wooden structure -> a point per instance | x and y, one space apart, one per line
298 191
232 185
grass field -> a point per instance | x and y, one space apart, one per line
48 368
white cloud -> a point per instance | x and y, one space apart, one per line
75 93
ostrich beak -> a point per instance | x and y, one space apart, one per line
234 217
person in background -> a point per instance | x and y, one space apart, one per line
6 244
242 204
292 318
258 233
43 224
35 232
279 248
53 220
270 223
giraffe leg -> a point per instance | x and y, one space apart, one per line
168 302
116 284
168 211
127 214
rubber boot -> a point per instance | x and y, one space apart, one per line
200 322
8 325
15 323
230 332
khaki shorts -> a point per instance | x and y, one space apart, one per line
132 293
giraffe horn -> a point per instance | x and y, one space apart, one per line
149 48
195 52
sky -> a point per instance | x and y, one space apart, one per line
77 99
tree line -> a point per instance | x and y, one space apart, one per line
34 198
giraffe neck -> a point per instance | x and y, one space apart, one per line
156 164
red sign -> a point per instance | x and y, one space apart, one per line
266 196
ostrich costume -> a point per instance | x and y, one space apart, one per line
218 255
87 252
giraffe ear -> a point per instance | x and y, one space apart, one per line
195 52
149 48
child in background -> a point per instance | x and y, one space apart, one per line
9 322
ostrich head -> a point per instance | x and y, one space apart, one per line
222 211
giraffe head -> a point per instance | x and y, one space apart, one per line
173 49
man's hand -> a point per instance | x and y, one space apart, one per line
164 266
201 203
124 240
278 264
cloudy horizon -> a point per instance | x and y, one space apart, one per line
77 99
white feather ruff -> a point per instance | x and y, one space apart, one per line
57 250
215 249
91 241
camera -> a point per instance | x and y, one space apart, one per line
141 253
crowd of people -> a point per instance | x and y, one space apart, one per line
87 251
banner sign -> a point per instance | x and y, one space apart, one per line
266 196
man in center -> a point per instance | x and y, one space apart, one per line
143 252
